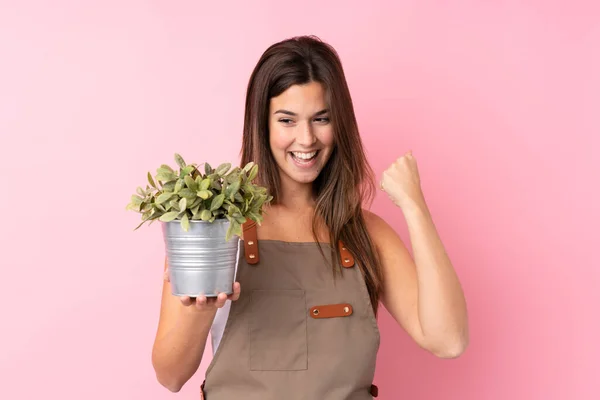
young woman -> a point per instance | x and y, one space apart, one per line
301 323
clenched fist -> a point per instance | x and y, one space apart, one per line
402 183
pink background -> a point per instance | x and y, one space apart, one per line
500 102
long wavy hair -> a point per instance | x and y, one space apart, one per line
346 183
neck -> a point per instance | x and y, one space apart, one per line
295 196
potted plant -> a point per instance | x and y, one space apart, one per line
201 215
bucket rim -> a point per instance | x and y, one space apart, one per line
195 221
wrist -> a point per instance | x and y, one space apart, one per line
415 209
202 313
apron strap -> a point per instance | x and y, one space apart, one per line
251 247
347 258
250 242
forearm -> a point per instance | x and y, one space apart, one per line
441 304
176 355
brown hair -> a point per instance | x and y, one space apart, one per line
347 181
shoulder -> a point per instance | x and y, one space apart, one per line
387 241
377 227
372 220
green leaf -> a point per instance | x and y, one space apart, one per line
179 160
137 200
165 176
216 185
253 216
151 181
138 227
204 194
185 222
229 233
205 184
207 169
205 215
234 229
182 204
235 171
188 194
223 168
217 202
233 177
197 202
165 173
178 185
248 166
187 170
168 186
141 192
170 216
253 173
166 168
164 197
233 209
155 213
233 188
190 183
146 215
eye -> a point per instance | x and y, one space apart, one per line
323 120
286 121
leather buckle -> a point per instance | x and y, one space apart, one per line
331 311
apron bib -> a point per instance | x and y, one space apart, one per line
295 332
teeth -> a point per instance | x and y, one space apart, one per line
304 156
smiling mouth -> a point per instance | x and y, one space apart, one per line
302 157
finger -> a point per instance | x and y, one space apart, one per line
201 302
166 276
237 289
186 300
221 299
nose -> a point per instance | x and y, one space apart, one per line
306 136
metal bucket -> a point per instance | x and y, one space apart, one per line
200 261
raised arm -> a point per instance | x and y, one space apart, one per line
424 295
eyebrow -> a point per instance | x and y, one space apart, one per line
293 114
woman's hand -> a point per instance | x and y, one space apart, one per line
402 183
204 303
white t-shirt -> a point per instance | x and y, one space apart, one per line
218 325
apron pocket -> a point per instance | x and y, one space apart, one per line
277 330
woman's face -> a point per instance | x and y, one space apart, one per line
301 134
